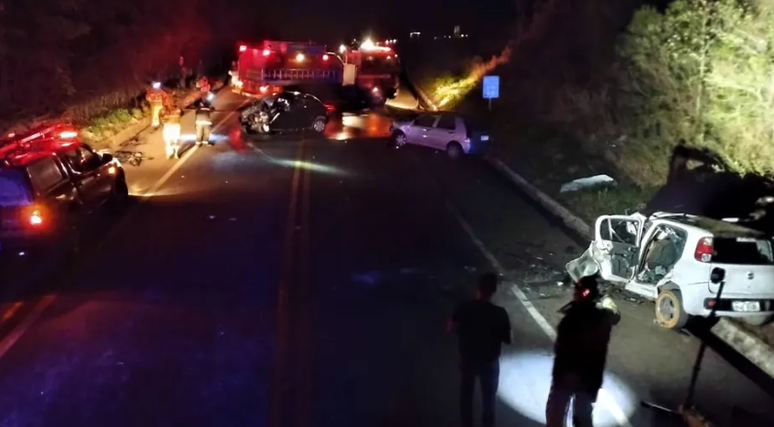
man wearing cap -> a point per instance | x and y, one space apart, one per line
580 354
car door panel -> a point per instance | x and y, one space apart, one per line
617 238
421 129
443 132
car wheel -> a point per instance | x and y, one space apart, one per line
670 312
399 139
120 195
454 150
759 320
318 125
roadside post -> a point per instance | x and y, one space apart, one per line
491 89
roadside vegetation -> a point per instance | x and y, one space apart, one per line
90 61
618 84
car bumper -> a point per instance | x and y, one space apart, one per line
726 307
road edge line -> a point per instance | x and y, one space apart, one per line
607 402
737 337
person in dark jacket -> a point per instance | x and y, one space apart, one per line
580 354
481 327
203 122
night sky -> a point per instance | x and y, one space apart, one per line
335 20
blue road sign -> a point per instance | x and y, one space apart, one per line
491 87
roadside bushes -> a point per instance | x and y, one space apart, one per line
698 69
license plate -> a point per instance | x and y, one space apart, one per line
485 137
746 306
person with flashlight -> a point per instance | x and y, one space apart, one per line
580 352
481 328
157 98
171 131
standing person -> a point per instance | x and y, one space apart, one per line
157 98
580 354
203 122
481 328
171 132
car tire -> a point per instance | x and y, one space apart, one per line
120 195
454 150
318 124
670 311
398 139
759 320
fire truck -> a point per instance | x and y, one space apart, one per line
377 69
267 68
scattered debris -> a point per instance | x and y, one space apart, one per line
589 182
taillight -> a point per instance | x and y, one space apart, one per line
36 218
325 57
242 48
330 108
704 249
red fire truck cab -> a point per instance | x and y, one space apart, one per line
377 69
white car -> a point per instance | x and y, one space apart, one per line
449 132
669 257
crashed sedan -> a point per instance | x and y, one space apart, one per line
669 257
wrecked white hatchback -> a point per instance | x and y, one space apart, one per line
668 258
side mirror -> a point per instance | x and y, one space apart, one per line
717 275
107 158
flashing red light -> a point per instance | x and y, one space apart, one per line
325 57
243 48
266 52
11 135
264 89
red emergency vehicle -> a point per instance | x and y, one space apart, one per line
266 68
377 69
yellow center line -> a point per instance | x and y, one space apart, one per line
279 372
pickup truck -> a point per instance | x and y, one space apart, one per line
45 196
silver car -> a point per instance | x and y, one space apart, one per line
452 133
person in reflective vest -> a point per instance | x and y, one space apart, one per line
203 122
157 98
171 131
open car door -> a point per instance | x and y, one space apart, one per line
617 242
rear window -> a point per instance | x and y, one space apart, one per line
447 122
45 174
475 124
742 250
14 190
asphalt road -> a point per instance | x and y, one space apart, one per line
295 281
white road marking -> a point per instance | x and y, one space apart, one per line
605 400
46 301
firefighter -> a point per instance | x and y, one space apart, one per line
203 122
580 354
171 131
157 98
